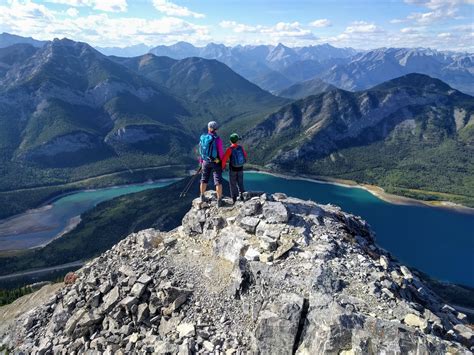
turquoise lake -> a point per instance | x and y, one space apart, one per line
39 226
437 241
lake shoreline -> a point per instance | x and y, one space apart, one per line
375 190
47 203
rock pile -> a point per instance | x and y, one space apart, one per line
272 275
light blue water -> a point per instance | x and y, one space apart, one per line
54 220
437 241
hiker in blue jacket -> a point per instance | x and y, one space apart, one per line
211 154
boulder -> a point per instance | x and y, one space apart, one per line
111 299
413 320
230 243
278 325
275 212
186 330
249 224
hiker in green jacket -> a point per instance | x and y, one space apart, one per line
237 157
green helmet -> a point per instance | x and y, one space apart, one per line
234 137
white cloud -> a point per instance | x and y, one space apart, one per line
288 32
362 27
438 4
445 35
397 20
72 11
464 28
412 30
171 9
432 16
111 5
240 27
440 10
324 22
103 5
31 19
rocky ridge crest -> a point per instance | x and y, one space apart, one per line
271 275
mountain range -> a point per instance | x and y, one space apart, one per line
70 113
275 68
7 39
271 67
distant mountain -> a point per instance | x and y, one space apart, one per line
77 105
274 68
264 65
130 51
14 55
413 132
305 88
179 50
7 39
211 89
365 70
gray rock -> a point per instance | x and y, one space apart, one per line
278 325
283 249
252 254
406 272
251 208
275 212
273 231
208 346
249 224
90 318
168 325
129 301
413 320
186 330
147 238
143 313
72 322
384 262
230 243
145 279
138 289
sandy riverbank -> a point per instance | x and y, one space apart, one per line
374 190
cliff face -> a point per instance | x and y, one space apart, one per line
273 275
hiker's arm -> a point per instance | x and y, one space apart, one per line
226 157
245 153
220 149
198 153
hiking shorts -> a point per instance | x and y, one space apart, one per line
209 167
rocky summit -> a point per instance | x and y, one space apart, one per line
271 275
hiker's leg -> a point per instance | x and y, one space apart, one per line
240 181
219 191
218 179
205 175
233 183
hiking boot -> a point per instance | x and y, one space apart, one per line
234 199
220 203
203 198
241 197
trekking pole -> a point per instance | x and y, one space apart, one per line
190 183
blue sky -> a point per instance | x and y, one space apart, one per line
439 24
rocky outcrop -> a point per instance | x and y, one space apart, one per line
272 275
